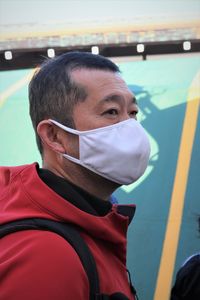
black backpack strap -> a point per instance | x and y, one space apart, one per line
69 233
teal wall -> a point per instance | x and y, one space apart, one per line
161 88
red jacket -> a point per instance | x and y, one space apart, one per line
38 265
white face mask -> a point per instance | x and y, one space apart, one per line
118 152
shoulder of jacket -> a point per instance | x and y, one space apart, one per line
49 246
7 173
48 259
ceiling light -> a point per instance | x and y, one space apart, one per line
51 53
187 45
8 55
95 50
140 48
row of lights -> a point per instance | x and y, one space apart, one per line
141 47
95 50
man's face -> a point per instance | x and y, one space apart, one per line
108 101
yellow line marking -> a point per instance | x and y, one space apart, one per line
13 88
170 244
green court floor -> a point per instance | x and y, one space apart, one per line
165 230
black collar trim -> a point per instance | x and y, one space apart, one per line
74 194
127 211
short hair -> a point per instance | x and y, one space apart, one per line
53 94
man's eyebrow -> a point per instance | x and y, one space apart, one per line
117 98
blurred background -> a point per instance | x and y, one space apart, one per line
156 44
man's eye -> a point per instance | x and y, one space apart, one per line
133 113
112 112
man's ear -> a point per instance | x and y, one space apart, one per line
51 136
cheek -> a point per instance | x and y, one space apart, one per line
80 115
86 122
84 117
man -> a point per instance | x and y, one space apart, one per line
84 117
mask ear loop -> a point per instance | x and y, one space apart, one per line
99 129
70 130
65 128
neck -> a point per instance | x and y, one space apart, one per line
83 178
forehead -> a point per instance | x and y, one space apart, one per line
100 82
